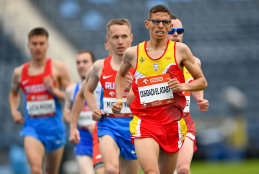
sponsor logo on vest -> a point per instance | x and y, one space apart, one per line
168 58
142 60
155 67
106 77
25 81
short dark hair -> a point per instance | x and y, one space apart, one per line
38 31
86 51
158 8
174 17
117 22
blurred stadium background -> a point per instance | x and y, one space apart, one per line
222 33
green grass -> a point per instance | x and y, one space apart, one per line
224 167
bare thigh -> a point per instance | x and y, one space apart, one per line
53 159
147 150
85 164
129 166
167 162
185 154
110 153
34 150
99 171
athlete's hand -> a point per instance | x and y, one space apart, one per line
74 136
129 81
17 117
203 105
49 83
116 107
174 84
66 115
97 114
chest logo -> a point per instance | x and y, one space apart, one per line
168 58
155 67
142 60
106 77
25 81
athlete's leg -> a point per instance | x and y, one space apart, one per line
147 150
185 157
167 162
129 166
110 154
34 150
85 164
99 170
53 159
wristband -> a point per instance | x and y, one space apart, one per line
119 100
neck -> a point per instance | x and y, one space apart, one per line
156 44
116 61
39 62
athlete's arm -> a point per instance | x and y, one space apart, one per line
14 97
130 98
185 57
198 95
64 79
68 104
77 108
129 60
91 86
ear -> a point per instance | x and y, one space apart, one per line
170 27
106 47
107 39
147 24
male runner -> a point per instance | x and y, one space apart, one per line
189 146
113 129
83 150
158 111
41 79
79 99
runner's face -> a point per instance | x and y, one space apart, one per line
119 39
158 32
83 63
175 36
38 46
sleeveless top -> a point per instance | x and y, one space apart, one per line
152 73
85 117
119 126
188 79
42 108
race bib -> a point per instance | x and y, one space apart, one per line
154 91
187 95
85 117
109 99
40 105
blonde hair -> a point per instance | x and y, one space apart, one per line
117 22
